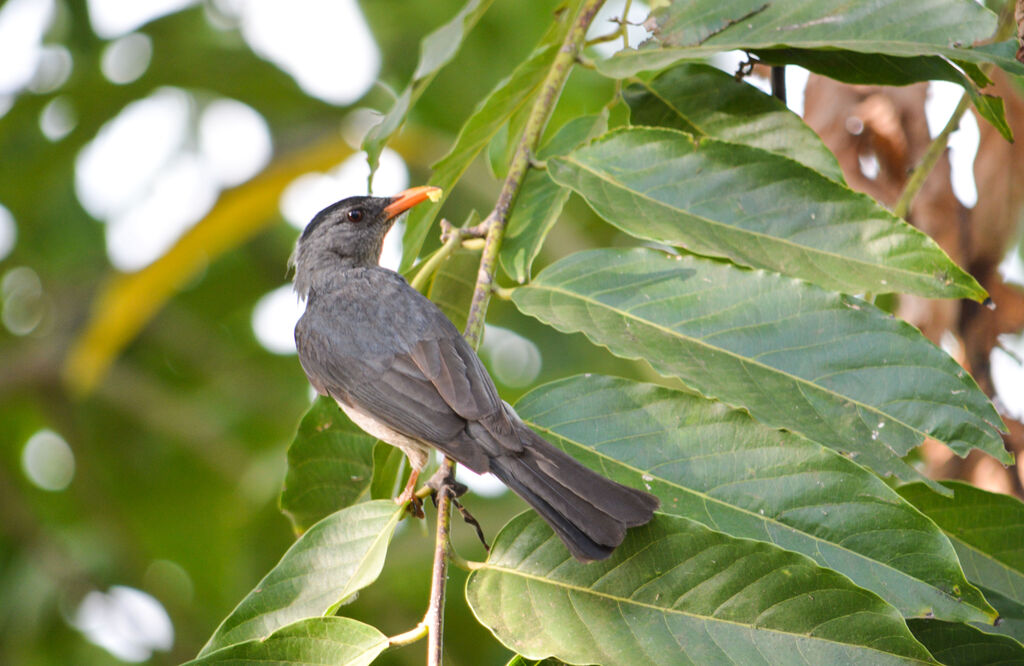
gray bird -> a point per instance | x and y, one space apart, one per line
402 372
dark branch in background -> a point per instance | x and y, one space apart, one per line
779 82
494 225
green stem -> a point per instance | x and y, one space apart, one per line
411 636
539 115
931 156
430 266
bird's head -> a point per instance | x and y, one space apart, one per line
349 234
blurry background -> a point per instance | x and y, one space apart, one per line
157 159
138 486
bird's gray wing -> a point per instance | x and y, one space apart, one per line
383 347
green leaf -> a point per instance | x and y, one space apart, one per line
962 645
389 471
504 144
451 287
871 68
991 108
330 465
1011 616
540 202
860 68
757 209
696 29
718 466
676 592
333 560
890 43
828 366
326 641
1003 54
987 530
702 100
436 50
487 118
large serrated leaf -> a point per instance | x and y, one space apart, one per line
718 466
688 29
888 42
987 530
319 641
330 465
333 560
702 100
487 118
540 201
828 366
676 592
757 209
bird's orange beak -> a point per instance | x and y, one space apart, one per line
403 201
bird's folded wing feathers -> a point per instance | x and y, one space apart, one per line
428 386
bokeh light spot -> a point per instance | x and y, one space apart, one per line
943 96
274 319
169 580
325 45
53 69
235 141
126 622
58 118
127 58
22 26
514 360
24 303
604 24
113 18
8 232
115 169
48 461
183 194
1008 374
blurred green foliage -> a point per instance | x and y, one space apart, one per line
180 448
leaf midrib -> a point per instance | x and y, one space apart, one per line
858 264
768 520
743 359
488 566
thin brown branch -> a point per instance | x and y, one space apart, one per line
439 576
494 225
541 112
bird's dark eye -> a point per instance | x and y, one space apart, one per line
355 215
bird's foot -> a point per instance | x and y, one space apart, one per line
445 479
470 520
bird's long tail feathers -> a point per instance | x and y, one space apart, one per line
588 512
